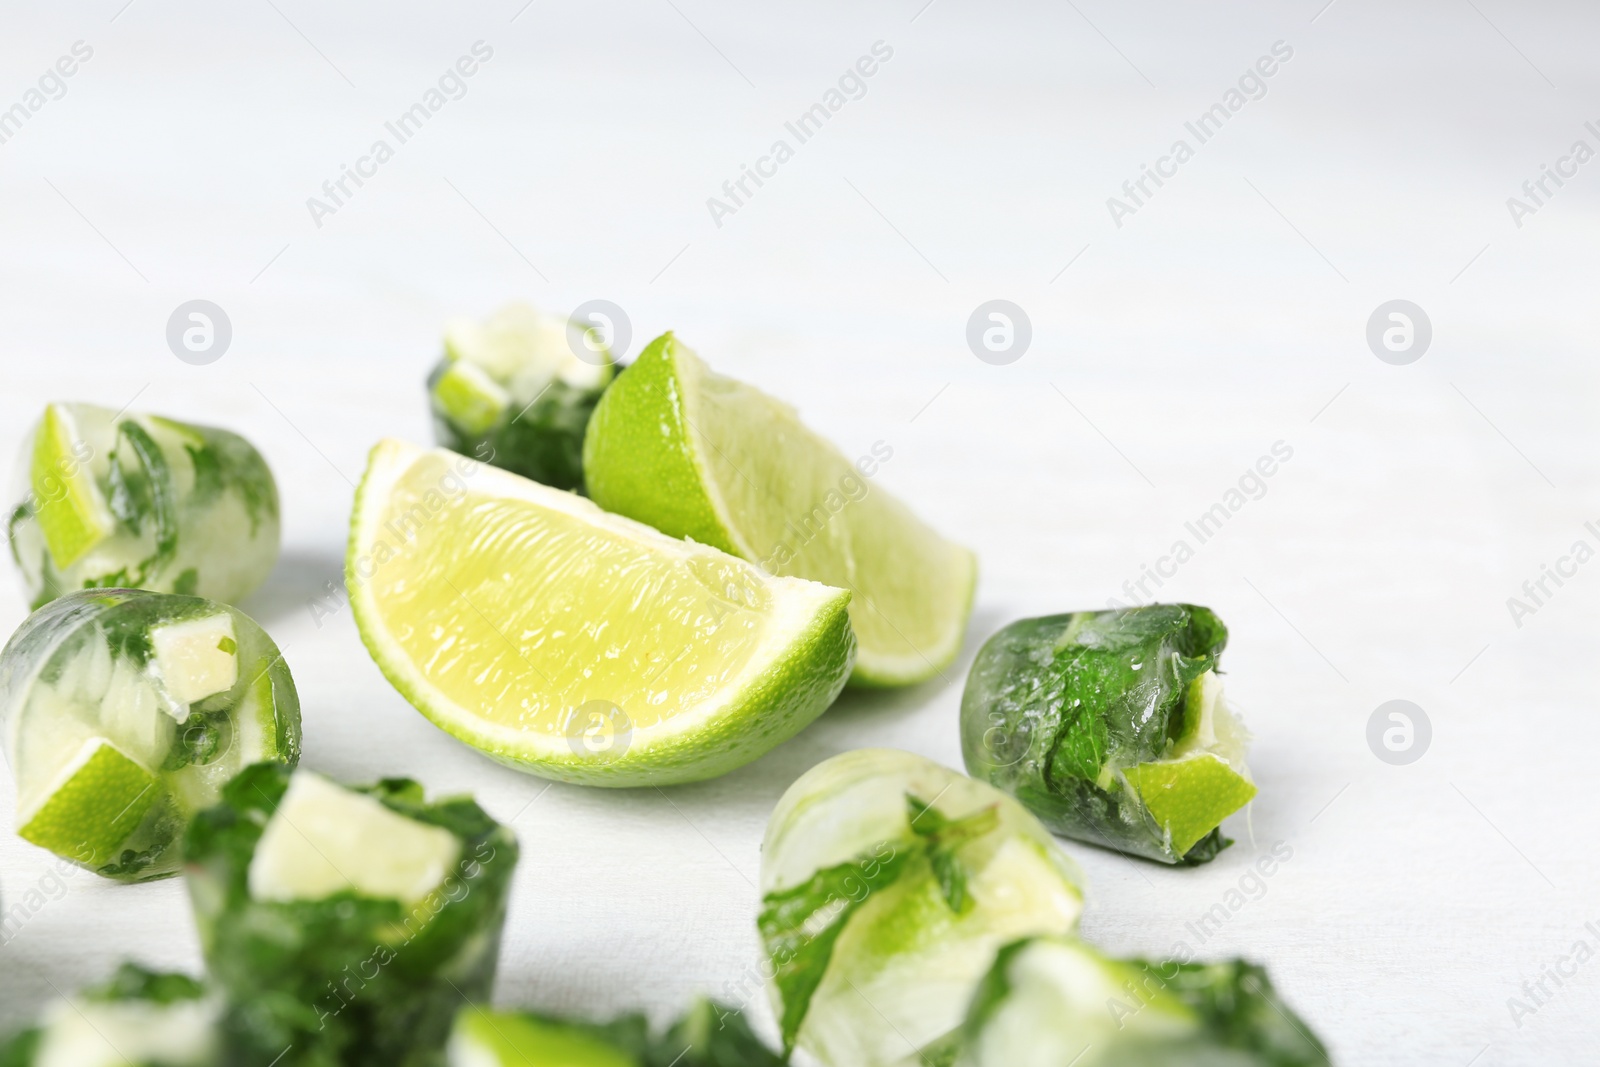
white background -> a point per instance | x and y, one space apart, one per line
1227 314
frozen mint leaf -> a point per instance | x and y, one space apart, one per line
800 925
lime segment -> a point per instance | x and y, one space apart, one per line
325 839
573 643
196 657
699 455
1190 796
72 510
100 797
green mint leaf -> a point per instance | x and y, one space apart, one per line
800 925
943 836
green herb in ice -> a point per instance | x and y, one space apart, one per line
1051 1001
1111 727
127 711
346 925
123 500
138 1018
889 882
517 391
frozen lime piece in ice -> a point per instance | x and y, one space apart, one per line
325 839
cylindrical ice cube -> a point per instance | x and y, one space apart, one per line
127 711
122 500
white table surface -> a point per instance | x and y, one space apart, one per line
1227 314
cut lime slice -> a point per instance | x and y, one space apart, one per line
325 839
72 511
484 1038
702 456
576 644
99 799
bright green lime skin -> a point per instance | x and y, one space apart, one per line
349 981
648 471
126 617
1044 720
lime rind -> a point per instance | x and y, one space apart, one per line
796 671
1204 778
99 799
72 511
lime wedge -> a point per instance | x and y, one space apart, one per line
470 398
576 644
325 839
1190 796
702 456
97 801
484 1038
72 511
1204 778
196 658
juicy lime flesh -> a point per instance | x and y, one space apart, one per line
802 508
506 1039
324 839
522 614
